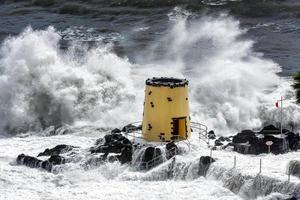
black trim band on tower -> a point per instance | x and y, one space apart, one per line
169 82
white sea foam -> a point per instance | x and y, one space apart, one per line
232 87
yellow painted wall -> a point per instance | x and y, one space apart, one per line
159 111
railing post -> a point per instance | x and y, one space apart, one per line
260 165
207 139
291 168
234 162
289 174
210 155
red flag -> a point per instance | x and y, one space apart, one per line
276 104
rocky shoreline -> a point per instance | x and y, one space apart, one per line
116 147
251 142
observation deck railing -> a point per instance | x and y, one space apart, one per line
134 130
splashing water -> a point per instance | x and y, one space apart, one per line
41 85
231 86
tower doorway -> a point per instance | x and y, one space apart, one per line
179 129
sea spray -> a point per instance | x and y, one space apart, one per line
232 87
41 85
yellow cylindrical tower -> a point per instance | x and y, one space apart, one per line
166 110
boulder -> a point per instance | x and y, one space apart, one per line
130 128
270 129
204 163
148 154
151 158
294 168
28 161
126 155
116 130
280 145
114 143
244 136
293 140
211 135
218 143
33 162
171 150
221 139
248 142
59 149
57 160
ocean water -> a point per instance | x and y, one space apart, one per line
84 64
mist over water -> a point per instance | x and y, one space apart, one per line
231 86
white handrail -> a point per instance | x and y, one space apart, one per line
159 157
201 128
135 132
202 131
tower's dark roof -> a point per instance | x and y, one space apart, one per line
165 81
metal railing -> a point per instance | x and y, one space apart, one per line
157 160
202 131
135 132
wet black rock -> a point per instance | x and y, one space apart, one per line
126 155
211 135
270 129
57 160
33 162
28 161
227 139
149 154
59 149
130 128
221 139
204 163
294 168
293 140
218 143
114 143
152 157
116 130
250 142
244 136
171 150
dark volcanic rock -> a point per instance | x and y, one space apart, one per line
62 148
116 130
151 158
244 136
130 128
222 139
114 143
171 150
211 135
28 161
218 143
293 140
57 160
270 129
248 142
148 154
33 162
204 164
294 168
126 155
